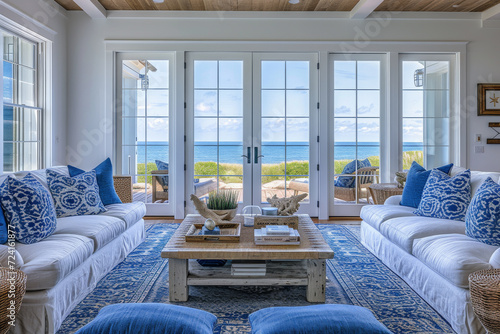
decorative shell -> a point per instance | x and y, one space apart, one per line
287 206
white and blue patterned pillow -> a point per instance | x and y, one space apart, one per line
445 197
29 208
482 221
75 196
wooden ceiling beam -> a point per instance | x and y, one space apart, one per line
93 8
492 13
364 8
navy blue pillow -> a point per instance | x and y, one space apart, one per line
151 319
3 228
329 318
162 166
415 183
104 174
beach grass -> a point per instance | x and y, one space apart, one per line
231 173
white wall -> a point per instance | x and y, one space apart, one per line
87 68
47 19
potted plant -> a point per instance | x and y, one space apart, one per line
224 203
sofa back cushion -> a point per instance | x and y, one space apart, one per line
482 221
29 209
415 183
445 197
75 196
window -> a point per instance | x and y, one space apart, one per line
22 114
425 96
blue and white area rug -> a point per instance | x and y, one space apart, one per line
355 276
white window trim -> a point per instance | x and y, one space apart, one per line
392 49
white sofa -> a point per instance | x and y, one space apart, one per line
434 256
63 268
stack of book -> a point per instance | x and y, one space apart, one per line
276 235
248 268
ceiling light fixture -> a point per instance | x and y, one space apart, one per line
293 2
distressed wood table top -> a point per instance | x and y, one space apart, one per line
312 245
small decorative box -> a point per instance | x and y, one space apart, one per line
270 211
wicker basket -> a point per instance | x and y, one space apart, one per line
382 191
12 288
485 297
123 188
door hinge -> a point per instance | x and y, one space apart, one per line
317 106
185 138
317 66
185 167
185 65
317 167
317 139
185 203
185 105
317 204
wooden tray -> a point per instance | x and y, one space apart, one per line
229 232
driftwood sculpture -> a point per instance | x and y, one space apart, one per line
205 212
287 206
400 179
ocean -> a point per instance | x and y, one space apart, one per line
274 152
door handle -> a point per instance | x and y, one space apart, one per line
257 156
248 155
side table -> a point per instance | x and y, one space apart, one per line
12 289
484 286
382 191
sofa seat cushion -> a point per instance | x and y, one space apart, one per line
403 231
101 229
47 262
454 256
375 215
130 213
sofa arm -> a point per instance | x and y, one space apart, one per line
393 200
14 256
495 259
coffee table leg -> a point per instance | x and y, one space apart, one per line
316 275
178 290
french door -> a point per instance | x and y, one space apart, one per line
252 126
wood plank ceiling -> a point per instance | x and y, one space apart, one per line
283 5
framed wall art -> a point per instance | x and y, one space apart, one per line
488 99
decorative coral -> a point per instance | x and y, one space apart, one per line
287 206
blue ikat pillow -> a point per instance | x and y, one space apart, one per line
445 197
482 221
29 209
75 196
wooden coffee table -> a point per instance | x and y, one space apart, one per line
309 269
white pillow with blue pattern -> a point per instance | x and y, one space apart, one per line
482 221
75 196
28 208
445 197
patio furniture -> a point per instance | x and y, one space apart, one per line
160 185
365 177
382 191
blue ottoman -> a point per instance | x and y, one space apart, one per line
331 318
150 319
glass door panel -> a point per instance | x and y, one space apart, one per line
357 92
144 131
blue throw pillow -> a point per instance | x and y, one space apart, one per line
482 221
4 233
329 318
150 318
415 183
163 166
351 167
28 208
445 197
104 174
75 196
